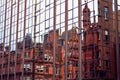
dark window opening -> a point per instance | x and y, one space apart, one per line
69 75
39 70
47 69
75 63
99 32
107 59
77 75
107 35
86 20
98 56
99 10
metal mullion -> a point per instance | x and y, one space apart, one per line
35 19
60 63
4 37
51 4
66 37
54 43
80 40
8 75
15 73
23 50
40 21
60 18
44 31
49 14
72 35
45 16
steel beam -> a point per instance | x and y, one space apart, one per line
66 37
54 43
23 50
80 39
16 40
4 37
8 75
34 47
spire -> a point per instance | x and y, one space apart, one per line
86 15
86 3
86 9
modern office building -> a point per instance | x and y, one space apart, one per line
57 40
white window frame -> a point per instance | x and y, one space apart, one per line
106 11
46 57
40 68
27 66
27 78
106 32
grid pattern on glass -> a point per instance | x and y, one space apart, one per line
44 20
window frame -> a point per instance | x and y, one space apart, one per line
106 11
107 35
40 68
27 67
107 59
99 10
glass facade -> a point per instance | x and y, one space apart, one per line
24 18
24 23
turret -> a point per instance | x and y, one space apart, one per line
86 17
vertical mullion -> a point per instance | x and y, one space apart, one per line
24 39
8 75
80 39
60 16
16 40
4 37
54 43
35 19
66 37
72 35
